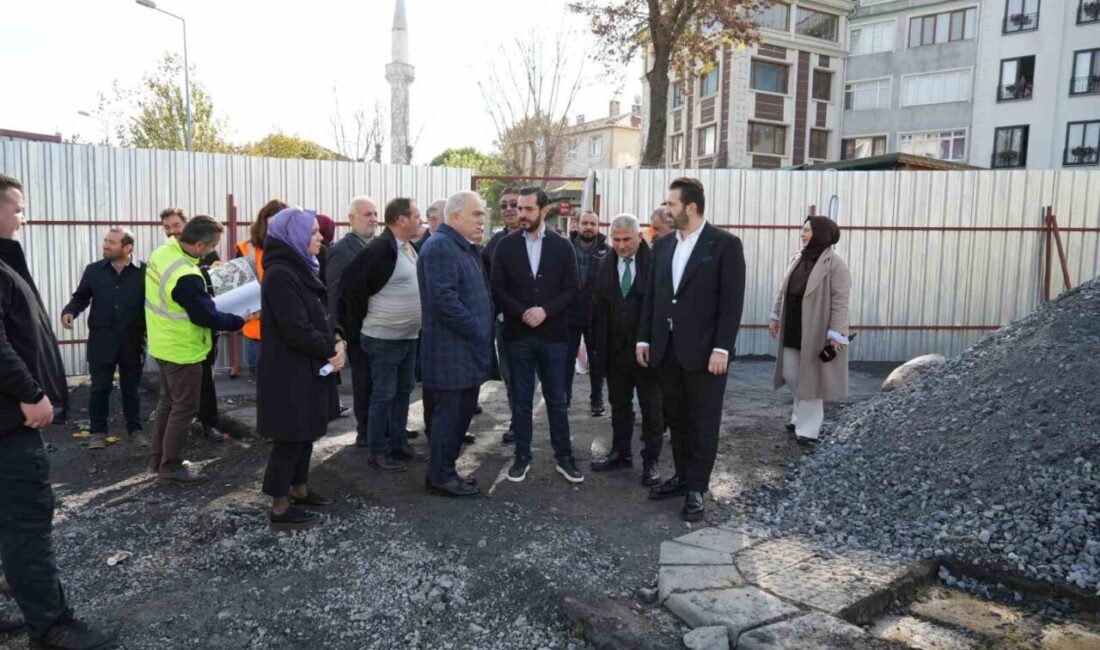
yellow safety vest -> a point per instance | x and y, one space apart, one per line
172 335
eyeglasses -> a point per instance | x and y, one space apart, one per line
504 205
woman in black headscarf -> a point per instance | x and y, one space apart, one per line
811 314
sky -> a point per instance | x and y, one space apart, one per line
273 65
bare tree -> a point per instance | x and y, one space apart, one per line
364 140
529 96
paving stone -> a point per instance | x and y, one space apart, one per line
713 637
814 630
1071 636
677 553
771 556
676 579
839 585
717 539
737 609
922 635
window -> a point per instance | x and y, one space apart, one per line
595 146
1020 16
944 145
819 144
823 85
676 148
776 16
866 95
869 39
1017 78
935 88
1009 147
677 94
767 138
708 83
1086 72
862 147
708 140
943 28
768 77
816 24
1082 143
1088 11
571 150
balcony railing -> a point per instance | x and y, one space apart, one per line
1085 85
1088 12
1021 23
1013 92
1008 158
1082 155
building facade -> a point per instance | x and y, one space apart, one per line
606 143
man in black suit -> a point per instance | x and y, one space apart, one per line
618 293
687 332
534 282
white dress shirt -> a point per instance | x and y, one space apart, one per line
534 248
633 269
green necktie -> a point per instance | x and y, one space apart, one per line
624 284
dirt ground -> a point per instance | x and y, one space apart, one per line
390 566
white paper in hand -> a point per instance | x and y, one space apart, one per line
239 301
326 370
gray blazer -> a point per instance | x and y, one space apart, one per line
338 257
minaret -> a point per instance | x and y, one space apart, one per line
399 74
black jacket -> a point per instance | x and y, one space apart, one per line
705 312
588 265
366 274
30 361
515 289
491 249
614 318
116 323
293 402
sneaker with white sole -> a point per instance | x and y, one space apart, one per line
518 471
567 467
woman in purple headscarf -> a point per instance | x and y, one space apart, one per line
302 352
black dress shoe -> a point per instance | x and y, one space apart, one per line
312 499
411 433
294 518
469 439
508 438
614 460
790 427
694 510
74 635
670 488
406 452
455 488
651 476
597 409
807 443
478 410
387 463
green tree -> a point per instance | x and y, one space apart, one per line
280 145
678 36
469 157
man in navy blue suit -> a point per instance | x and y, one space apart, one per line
456 336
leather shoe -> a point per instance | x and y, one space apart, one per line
469 439
597 409
455 488
411 433
406 452
614 460
478 410
694 510
651 476
508 438
672 487
74 635
387 463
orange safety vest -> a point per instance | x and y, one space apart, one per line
245 248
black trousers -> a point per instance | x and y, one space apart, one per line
208 398
451 412
99 398
287 465
595 379
624 376
26 528
693 400
429 403
360 387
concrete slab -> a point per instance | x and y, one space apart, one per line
678 579
714 637
717 539
676 553
814 630
771 556
853 587
1070 636
922 635
738 609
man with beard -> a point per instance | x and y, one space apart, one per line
659 223
509 198
534 282
687 331
590 247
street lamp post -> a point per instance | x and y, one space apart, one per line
101 118
186 72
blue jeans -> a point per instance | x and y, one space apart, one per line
530 356
392 370
251 355
451 414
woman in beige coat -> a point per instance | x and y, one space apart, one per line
810 313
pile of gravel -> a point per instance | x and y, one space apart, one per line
990 459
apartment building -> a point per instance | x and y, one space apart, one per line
605 143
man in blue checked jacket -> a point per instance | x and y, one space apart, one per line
456 336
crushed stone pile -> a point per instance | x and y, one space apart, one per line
991 459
